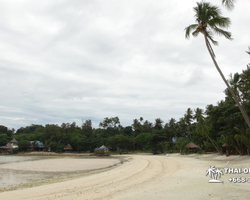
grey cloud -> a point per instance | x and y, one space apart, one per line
64 61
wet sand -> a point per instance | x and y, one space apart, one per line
148 177
27 171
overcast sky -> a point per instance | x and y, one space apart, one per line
64 61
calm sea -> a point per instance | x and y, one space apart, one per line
11 178
10 159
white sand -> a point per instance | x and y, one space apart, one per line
145 178
61 165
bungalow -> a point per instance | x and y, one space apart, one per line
37 146
192 147
106 149
68 148
9 147
14 143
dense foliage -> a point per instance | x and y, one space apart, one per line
209 129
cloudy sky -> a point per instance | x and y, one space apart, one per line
64 61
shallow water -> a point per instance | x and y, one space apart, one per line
10 159
12 178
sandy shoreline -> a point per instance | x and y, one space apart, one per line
29 171
61 165
148 177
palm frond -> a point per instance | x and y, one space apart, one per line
209 35
189 29
222 32
195 33
223 22
248 51
229 4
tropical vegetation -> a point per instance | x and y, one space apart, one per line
213 128
209 128
208 21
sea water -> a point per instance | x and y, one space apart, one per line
12 178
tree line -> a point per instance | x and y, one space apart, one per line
226 123
209 128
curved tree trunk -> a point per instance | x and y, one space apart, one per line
219 151
242 110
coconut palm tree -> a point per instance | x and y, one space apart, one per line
203 128
158 124
198 112
209 21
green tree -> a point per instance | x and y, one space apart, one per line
112 122
204 129
182 128
137 127
158 136
209 21
87 128
77 141
158 124
188 118
3 129
24 145
164 146
147 127
143 141
198 113
180 143
244 85
120 141
3 139
171 130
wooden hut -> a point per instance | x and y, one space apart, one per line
68 148
14 143
7 148
37 146
192 147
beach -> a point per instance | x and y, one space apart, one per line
140 177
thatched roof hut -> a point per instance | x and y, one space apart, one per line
14 141
8 146
68 148
225 145
191 145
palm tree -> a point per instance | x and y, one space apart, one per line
229 4
209 21
198 112
203 128
158 124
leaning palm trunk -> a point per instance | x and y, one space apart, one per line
214 144
242 110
